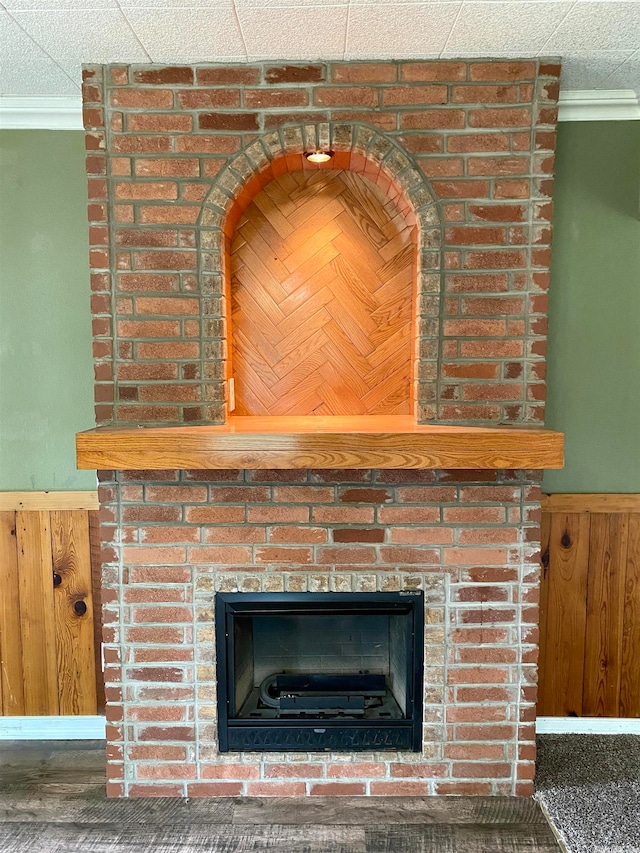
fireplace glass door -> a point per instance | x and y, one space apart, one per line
319 671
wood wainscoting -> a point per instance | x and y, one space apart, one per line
590 606
49 634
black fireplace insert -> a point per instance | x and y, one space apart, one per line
320 671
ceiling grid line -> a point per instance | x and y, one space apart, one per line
345 41
239 23
558 25
453 26
133 31
634 55
76 83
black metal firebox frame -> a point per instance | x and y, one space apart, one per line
309 735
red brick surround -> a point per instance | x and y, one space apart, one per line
471 144
161 141
469 539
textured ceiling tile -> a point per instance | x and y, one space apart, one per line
627 75
272 4
86 36
607 25
487 26
370 3
44 5
312 32
25 69
592 70
187 35
170 4
517 3
406 30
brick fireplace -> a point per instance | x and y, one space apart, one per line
175 156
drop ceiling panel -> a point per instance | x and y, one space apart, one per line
489 27
45 5
592 70
310 32
264 4
406 30
174 4
626 75
17 53
82 36
593 26
598 38
188 35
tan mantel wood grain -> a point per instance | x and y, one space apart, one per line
380 441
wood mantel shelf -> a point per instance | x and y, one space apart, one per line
380 441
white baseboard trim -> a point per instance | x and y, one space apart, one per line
31 112
52 728
587 726
92 728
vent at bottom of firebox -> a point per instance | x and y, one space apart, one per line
318 739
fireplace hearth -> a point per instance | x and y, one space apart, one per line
313 671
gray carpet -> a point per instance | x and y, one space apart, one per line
590 787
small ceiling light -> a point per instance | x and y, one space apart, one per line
318 156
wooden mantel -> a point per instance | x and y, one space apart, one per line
384 441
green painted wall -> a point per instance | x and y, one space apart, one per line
594 311
46 392
594 337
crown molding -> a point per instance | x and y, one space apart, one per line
54 112
598 105
48 112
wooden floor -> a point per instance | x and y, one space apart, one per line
52 801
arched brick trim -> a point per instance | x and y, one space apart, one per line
358 147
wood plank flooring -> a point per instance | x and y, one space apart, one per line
322 267
52 801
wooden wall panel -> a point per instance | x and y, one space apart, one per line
47 649
96 590
605 603
35 577
10 633
590 606
565 591
73 603
630 673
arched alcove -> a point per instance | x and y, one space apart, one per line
322 270
381 182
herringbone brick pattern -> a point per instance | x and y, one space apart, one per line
322 269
